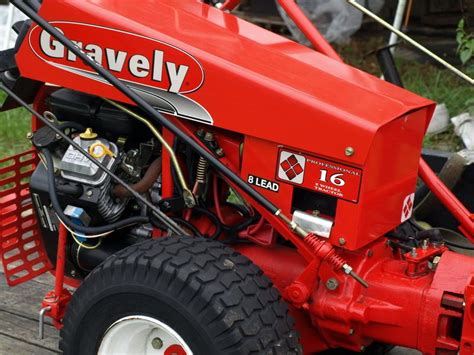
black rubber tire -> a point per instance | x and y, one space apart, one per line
215 298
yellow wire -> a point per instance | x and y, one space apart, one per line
82 245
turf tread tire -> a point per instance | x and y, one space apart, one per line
239 310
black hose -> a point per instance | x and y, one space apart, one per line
72 190
188 225
240 208
447 242
245 224
34 4
400 245
213 219
454 234
65 219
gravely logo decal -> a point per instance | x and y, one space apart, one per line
159 72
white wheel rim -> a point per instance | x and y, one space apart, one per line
142 335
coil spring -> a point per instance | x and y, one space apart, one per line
331 256
201 171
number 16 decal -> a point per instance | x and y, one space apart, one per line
336 179
321 175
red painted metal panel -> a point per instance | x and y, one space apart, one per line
467 341
21 247
273 80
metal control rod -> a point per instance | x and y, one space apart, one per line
411 41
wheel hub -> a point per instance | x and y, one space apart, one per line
142 335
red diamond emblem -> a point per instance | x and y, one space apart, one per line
285 165
407 208
291 167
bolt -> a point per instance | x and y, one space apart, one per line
424 244
89 193
29 135
157 343
436 260
413 252
351 331
342 241
332 284
315 213
209 137
370 253
200 132
73 273
362 348
349 151
58 136
220 152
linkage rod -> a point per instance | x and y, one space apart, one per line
411 41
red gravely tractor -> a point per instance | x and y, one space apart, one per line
210 187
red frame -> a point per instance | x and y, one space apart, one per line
374 118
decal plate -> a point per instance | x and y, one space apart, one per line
160 73
321 175
407 207
263 183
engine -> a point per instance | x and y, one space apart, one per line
87 194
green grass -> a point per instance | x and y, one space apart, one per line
14 125
439 85
425 79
